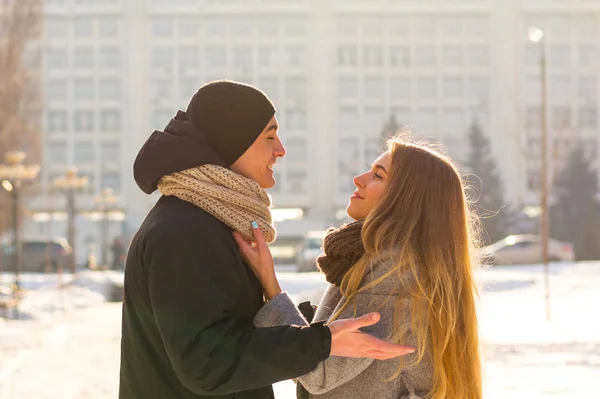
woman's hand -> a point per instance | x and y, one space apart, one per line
258 255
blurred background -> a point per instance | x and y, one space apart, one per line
86 81
510 89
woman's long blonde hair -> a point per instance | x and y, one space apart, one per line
424 218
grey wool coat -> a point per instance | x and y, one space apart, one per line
339 377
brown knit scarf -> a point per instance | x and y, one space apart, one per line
343 248
232 198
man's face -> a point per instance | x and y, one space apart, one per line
258 160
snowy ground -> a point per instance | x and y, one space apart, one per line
67 343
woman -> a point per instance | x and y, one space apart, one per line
408 256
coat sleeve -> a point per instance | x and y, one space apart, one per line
279 311
193 286
335 371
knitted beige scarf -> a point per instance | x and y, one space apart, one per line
232 198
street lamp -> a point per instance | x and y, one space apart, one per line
536 35
70 182
14 175
105 200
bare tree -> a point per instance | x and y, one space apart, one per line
20 77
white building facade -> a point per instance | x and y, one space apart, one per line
114 70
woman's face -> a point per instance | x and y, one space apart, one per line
370 187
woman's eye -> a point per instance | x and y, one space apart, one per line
377 175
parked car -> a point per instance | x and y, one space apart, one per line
526 249
308 251
38 255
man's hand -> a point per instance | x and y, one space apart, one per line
348 341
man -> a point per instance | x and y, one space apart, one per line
189 297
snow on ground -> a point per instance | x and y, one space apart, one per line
74 353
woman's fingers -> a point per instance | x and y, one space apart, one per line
258 236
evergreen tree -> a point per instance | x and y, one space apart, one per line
485 178
390 128
575 216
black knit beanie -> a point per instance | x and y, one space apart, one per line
231 115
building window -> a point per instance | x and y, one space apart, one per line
400 56
189 27
242 57
270 85
110 58
163 27
295 55
402 115
373 55
533 179
295 118
374 87
478 55
479 86
560 55
216 56
450 27
347 55
588 87
374 119
561 118
108 26
532 54
162 57
348 118
56 90
560 86
294 27
111 152
160 118
111 180
268 27
85 153
453 118
426 120
214 27
268 56
55 27
83 27
83 121
347 27
427 87
400 88
83 58
57 121
110 120
242 27
452 86
588 55
425 56
57 152
348 164
588 117
347 87
372 149
110 89
296 150
533 117
295 89
451 56
56 59
83 89
296 181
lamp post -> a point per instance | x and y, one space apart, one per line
70 182
14 175
536 35
105 200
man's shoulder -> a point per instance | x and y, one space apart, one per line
174 217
